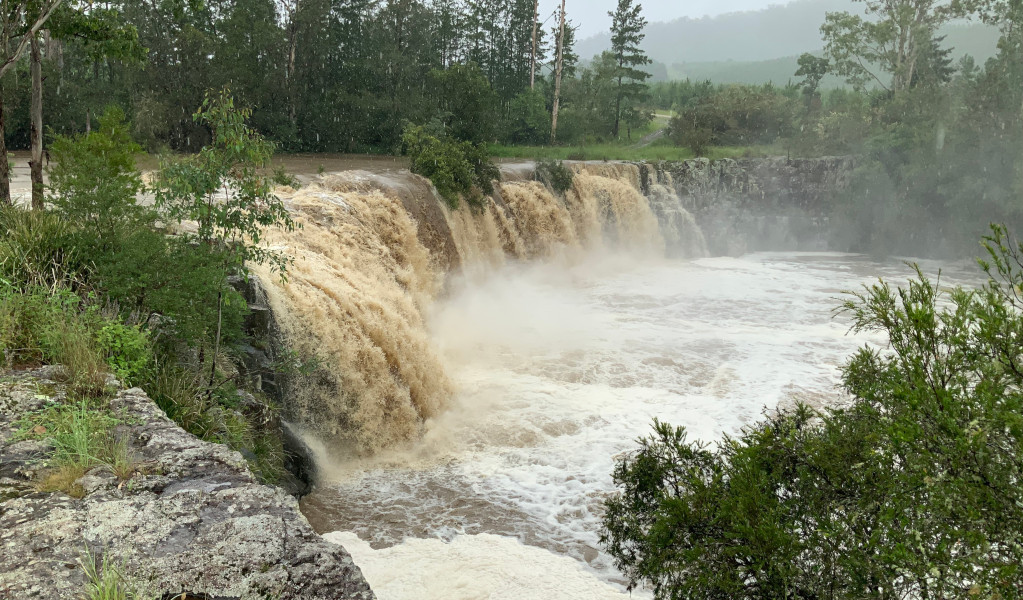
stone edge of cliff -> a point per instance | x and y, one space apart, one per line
194 520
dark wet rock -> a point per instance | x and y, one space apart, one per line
752 204
192 518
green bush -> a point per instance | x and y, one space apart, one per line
911 491
457 169
554 174
42 326
128 351
94 178
281 177
528 121
734 115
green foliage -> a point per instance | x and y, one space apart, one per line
94 178
81 434
734 115
182 394
554 174
105 578
812 69
628 78
149 305
457 169
529 121
36 249
889 48
467 102
911 491
222 190
281 177
128 352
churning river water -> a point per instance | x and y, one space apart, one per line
557 370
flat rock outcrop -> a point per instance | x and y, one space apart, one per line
192 519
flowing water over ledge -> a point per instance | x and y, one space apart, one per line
559 369
484 369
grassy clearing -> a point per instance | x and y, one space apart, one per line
662 150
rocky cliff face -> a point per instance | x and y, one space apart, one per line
193 518
746 205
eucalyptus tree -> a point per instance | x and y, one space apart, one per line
21 22
885 47
100 32
180 36
252 58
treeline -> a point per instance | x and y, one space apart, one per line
332 75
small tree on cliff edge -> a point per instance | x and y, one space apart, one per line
223 190
626 34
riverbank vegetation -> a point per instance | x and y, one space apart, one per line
911 490
106 283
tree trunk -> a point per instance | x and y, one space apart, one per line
292 51
5 167
37 126
557 76
216 341
618 109
532 56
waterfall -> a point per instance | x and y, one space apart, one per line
682 235
354 300
372 254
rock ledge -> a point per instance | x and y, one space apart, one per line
197 520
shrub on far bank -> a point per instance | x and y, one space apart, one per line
459 170
554 174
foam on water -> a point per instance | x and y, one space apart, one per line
494 567
558 368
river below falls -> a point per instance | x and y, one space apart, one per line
558 370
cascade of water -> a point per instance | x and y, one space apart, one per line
371 256
354 299
683 237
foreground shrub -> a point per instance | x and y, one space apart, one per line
128 352
911 491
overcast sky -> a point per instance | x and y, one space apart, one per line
591 15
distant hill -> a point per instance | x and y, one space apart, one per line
761 46
776 31
777 70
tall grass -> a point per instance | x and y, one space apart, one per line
82 435
105 578
36 250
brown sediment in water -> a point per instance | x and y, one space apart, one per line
354 298
371 257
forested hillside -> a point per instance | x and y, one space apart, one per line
783 30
